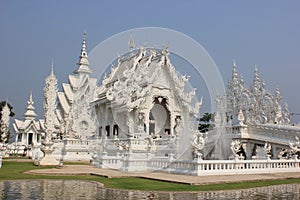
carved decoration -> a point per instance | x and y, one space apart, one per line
235 147
259 106
50 94
5 123
295 146
198 143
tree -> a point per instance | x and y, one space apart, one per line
2 104
206 122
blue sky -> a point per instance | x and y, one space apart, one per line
266 33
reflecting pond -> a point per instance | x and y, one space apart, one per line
68 189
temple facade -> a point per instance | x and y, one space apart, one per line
144 112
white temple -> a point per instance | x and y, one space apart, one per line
142 118
29 131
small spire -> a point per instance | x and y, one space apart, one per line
256 80
83 63
278 95
235 75
30 98
30 113
51 75
234 63
52 68
131 42
83 47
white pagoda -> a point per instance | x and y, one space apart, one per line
29 133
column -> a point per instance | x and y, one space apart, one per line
172 120
147 121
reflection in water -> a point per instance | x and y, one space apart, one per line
67 189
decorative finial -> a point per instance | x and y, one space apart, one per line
235 75
234 63
165 51
131 42
30 98
52 67
84 36
256 80
83 48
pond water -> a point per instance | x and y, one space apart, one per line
68 189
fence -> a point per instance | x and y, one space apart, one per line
199 167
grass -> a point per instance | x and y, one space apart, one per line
13 171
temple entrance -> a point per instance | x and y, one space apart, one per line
159 119
30 137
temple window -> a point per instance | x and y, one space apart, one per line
20 137
116 130
38 138
100 131
30 138
107 130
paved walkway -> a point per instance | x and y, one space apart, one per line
186 179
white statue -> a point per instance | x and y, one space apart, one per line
198 143
235 147
281 153
295 146
267 148
241 118
121 145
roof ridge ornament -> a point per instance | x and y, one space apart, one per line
256 79
131 43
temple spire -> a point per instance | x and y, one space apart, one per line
256 80
52 68
30 111
235 75
83 63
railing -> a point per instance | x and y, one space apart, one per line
200 167
80 142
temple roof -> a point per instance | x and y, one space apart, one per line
68 91
74 81
64 102
25 125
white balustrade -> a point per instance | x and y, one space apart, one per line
201 167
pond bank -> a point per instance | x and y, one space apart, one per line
175 178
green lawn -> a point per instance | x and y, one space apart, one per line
13 171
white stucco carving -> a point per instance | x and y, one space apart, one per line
5 123
50 94
254 115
